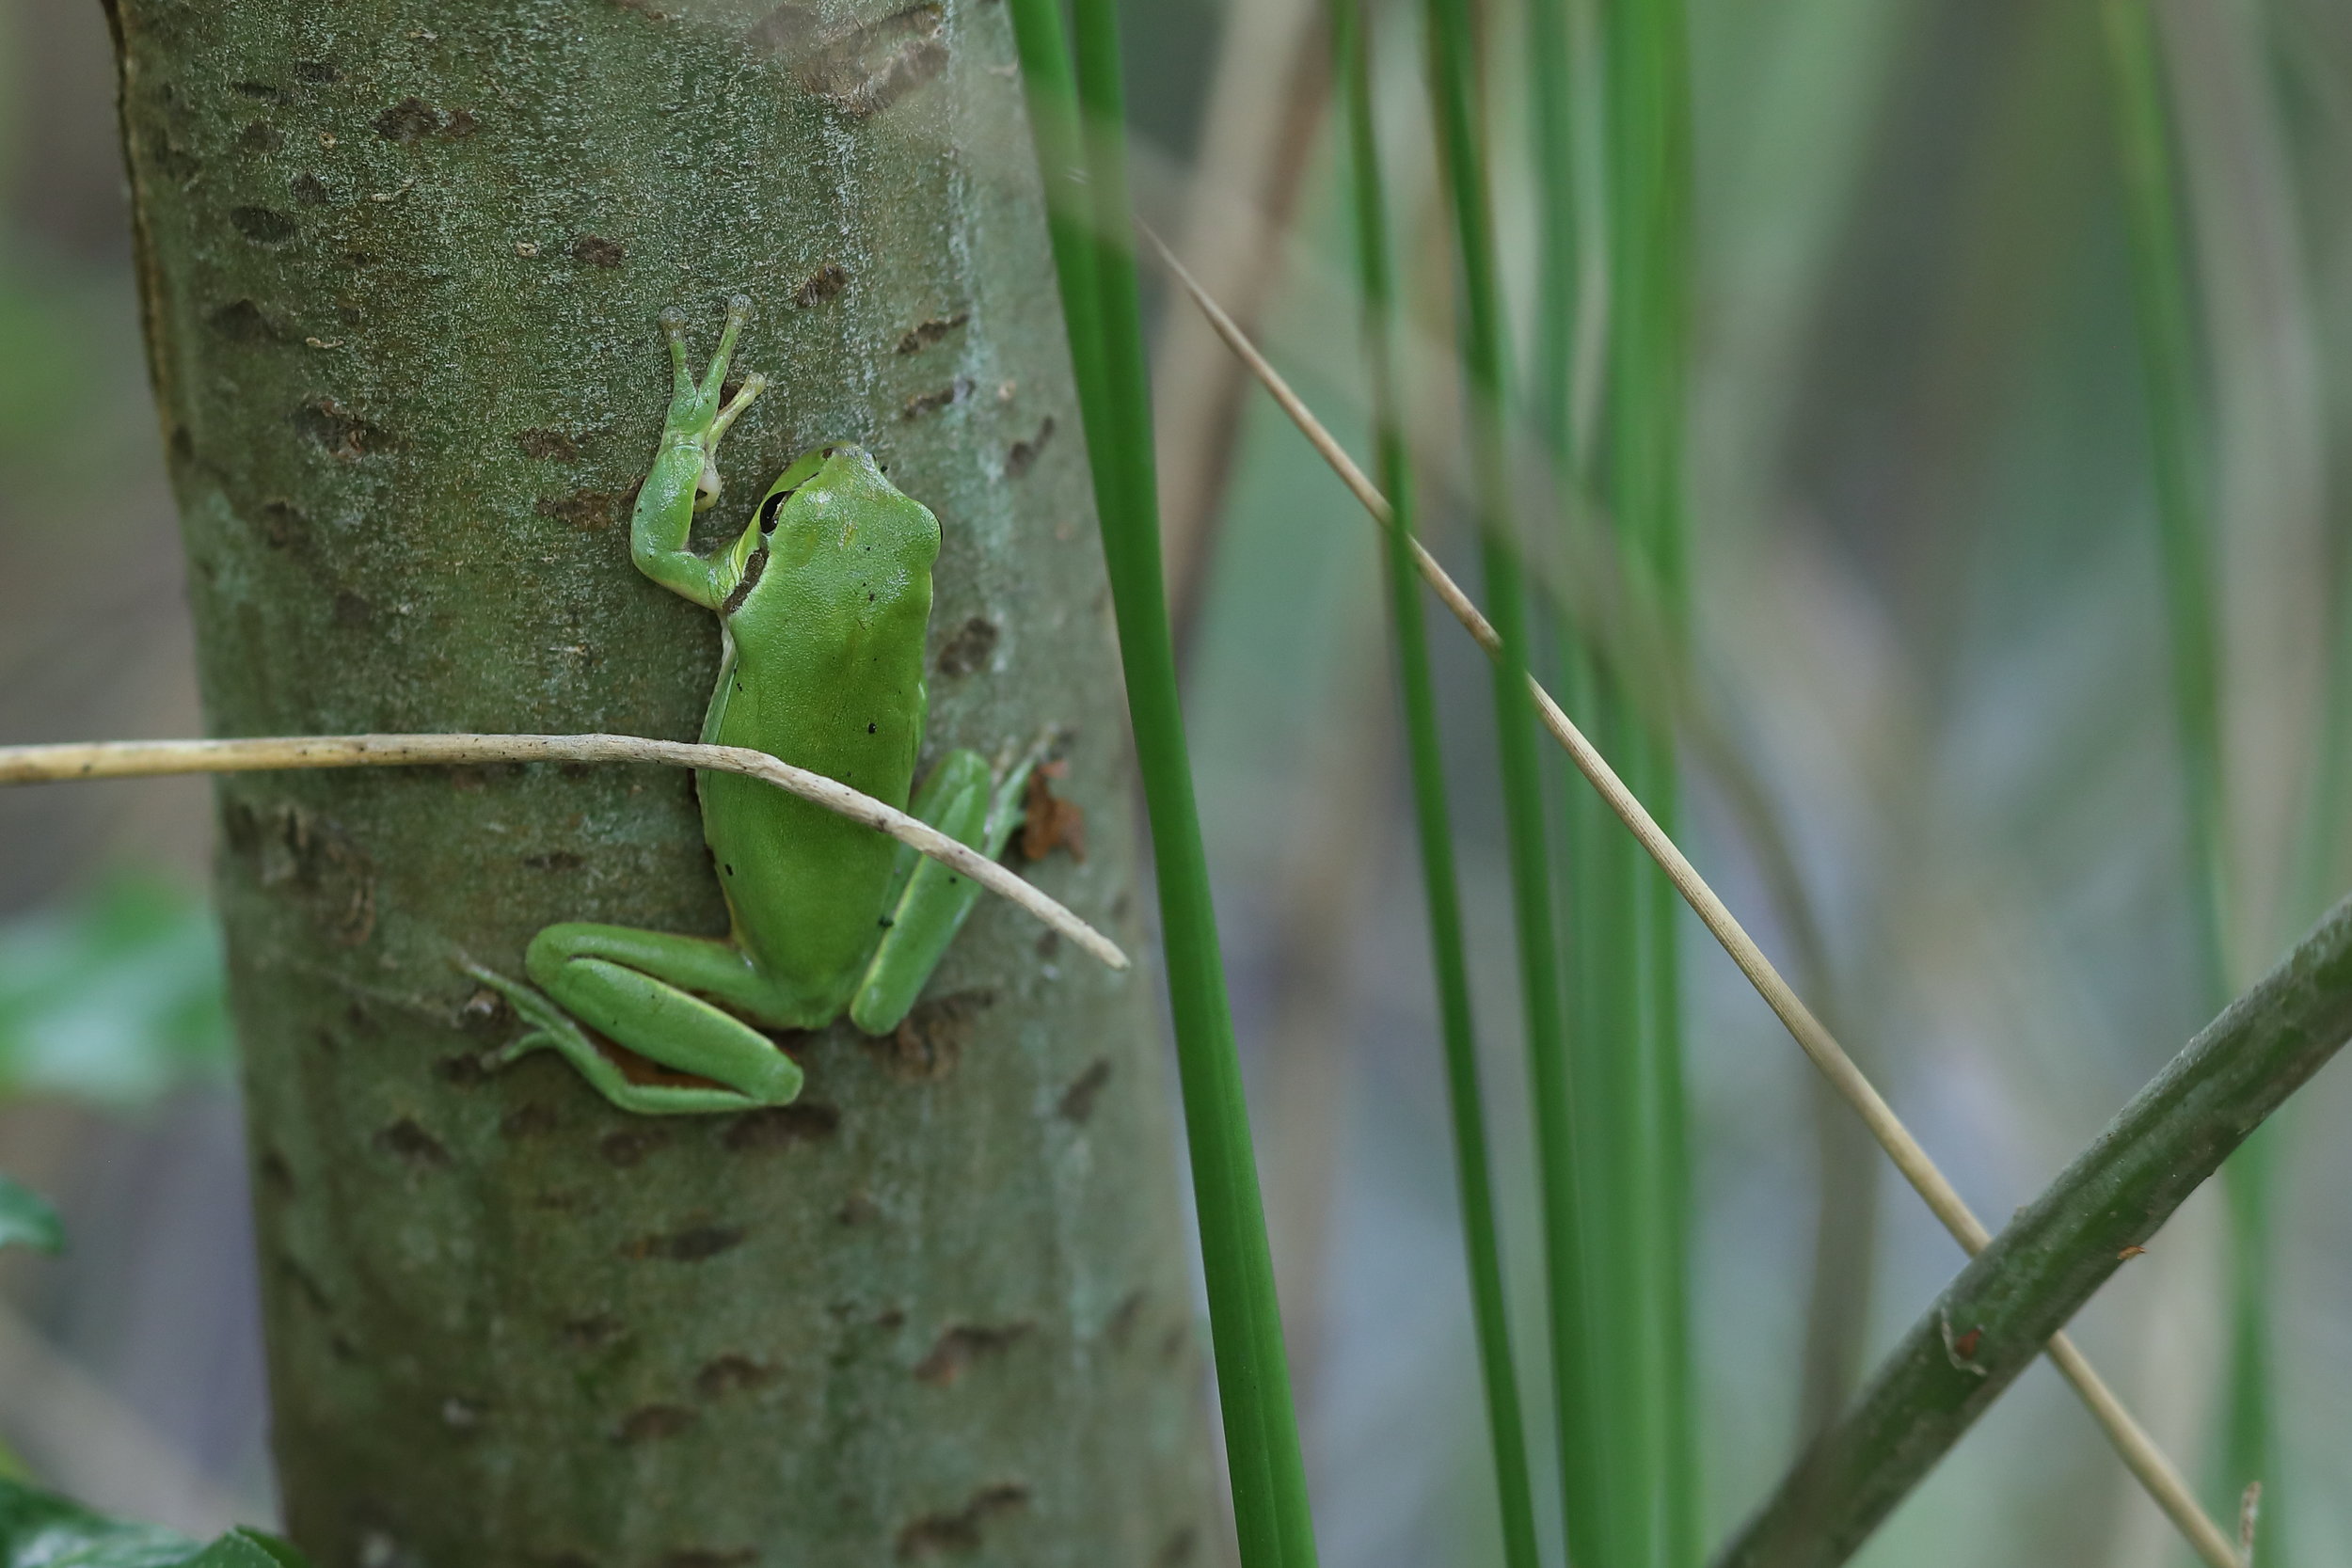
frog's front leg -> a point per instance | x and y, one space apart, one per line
646 990
932 900
684 478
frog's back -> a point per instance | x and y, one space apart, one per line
826 672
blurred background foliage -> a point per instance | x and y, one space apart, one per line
1927 613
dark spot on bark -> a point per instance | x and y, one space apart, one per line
283 524
260 137
709 1557
925 334
775 1127
1121 1327
462 1070
1175 1341
555 859
823 284
593 1333
296 854
406 1141
860 70
339 1345
628 1146
589 511
241 320
1077 1102
261 90
1177 1549
928 1042
968 650
309 1289
890 1317
1020 454
596 251
262 224
732 1375
351 611
962 1345
276 1176
931 403
547 445
407 121
686 1246
752 570
651 1422
183 445
320 73
533 1120
936 1534
309 190
1048 822
857 1208
342 433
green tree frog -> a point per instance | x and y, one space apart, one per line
824 603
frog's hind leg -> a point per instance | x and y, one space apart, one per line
931 901
646 990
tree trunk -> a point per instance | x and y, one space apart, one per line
400 261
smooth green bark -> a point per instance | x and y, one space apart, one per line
400 261
1992 1321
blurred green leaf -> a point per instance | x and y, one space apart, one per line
27 1219
116 996
40 1530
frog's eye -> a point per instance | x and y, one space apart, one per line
769 508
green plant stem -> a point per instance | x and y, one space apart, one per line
1647 116
2003 1308
1270 1503
1352 43
1453 86
1594 861
2168 352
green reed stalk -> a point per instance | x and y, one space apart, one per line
1098 301
1648 156
1999 1314
1352 43
1453 88
2168 352
1599 868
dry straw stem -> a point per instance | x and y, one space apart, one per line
127 759
2140 1453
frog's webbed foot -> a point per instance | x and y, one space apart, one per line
695 415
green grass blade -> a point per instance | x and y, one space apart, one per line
2169 350
1454 91
1993 1320
1449 958
1647 118
1268 1477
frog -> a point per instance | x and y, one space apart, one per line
823 602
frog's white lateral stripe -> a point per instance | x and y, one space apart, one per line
122 759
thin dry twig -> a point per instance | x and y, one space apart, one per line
122 759
2140 1453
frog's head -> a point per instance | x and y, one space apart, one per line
836 500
